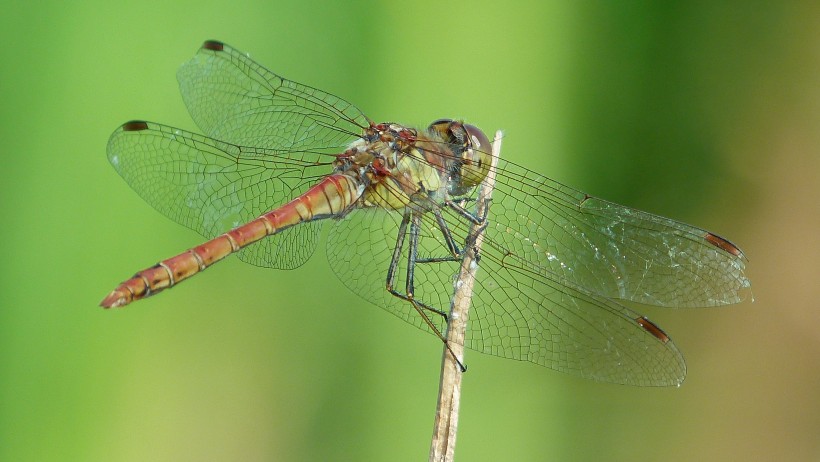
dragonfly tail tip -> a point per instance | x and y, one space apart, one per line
114 300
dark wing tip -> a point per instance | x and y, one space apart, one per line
653 329
723 244
213 45
134 126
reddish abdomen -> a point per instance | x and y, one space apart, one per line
330 197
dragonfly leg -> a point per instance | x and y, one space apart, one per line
475 219
412 260
421 308
456 254
394 260
448 236
459 208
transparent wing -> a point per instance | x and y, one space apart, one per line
516 313
610 250
232 98
211 186
553 262
269 140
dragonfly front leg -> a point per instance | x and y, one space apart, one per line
473 218
456 254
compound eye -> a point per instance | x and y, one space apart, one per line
476 139
476 158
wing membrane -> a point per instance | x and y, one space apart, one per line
516 312
235 99
211 186
613 251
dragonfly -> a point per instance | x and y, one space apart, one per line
559 270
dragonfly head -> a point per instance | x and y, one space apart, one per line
471 148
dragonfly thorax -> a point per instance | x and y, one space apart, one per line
448 160
395 170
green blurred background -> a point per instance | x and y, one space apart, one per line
708 114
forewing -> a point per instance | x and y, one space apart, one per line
233 98
608 249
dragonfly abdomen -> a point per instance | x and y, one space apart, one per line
330 197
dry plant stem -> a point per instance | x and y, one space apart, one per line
449 394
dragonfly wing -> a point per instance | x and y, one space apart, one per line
235 99
516 313
359 250
611 250
211 186
288 249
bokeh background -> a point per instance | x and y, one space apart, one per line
706 113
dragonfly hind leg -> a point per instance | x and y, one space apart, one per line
423 309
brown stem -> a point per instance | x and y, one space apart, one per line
449 394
